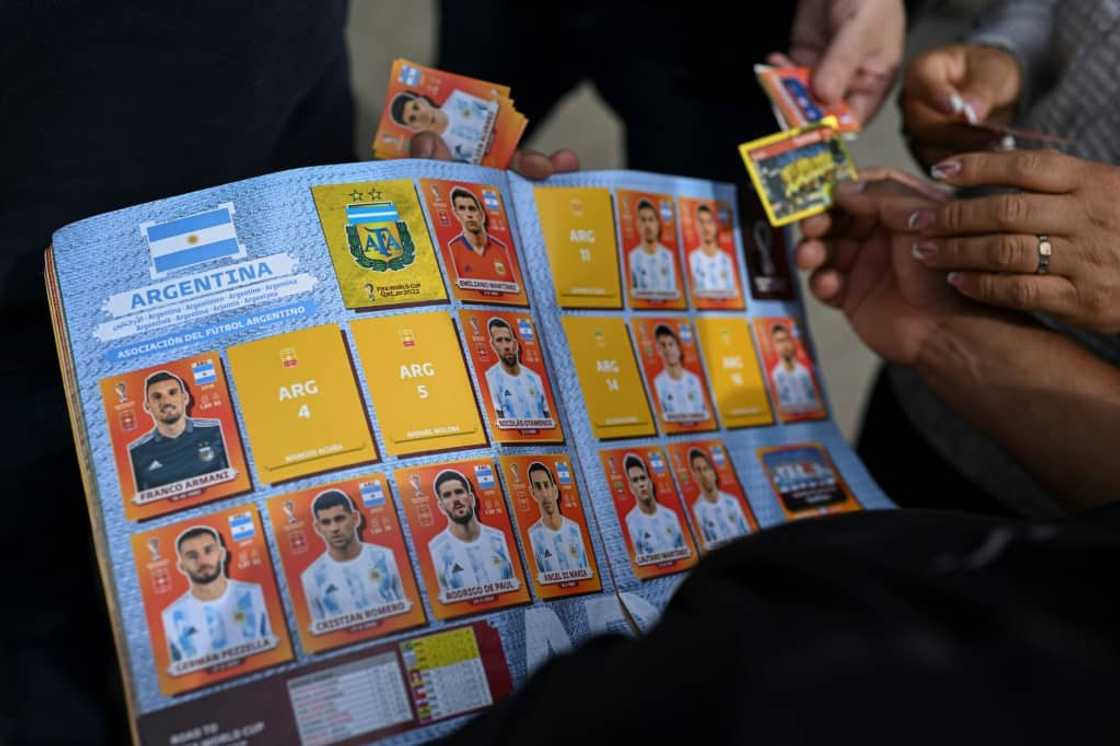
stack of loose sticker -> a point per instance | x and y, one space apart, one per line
795 106
475 119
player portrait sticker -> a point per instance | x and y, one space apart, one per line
379 244
550 520
649 511
648 227
301 404
789 370
345 560
462 534
473 234
711 261
711 491
174 435
805 481
671 361
512 376
577 224
210 599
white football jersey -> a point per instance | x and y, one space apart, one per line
653 273
556 551
196 628
654 534
467 564
795 388
712 276
720 521
681 398
518 397
469 122
336 588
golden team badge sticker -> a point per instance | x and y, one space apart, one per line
379 244
737 388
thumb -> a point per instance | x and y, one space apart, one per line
983 90
843 57
428 145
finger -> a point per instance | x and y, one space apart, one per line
811 255
894 182
843 254
871 206
564 161
817 225
1005 252
531 164
866 98
1034 170
951 136
991 81
828 287
428 145
840 60
932 78
1000 213
777 59
928 156
1047 293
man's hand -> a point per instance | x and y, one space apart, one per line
528 163
951 85
859 256
854 48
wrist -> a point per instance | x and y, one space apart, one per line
947 356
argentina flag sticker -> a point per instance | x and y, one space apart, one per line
192 240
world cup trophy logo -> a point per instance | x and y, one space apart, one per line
290 511
122 392
153 549
763 241
414 481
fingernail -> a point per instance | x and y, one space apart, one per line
970 113
850 188
945 169
923 250
956 103
920 219
954 279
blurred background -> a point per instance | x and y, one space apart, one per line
583 122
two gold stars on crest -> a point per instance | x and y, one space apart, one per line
374 195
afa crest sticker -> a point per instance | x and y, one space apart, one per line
378 239
379 244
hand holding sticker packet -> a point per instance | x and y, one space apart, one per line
853 49
794 103
980 360
860 258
